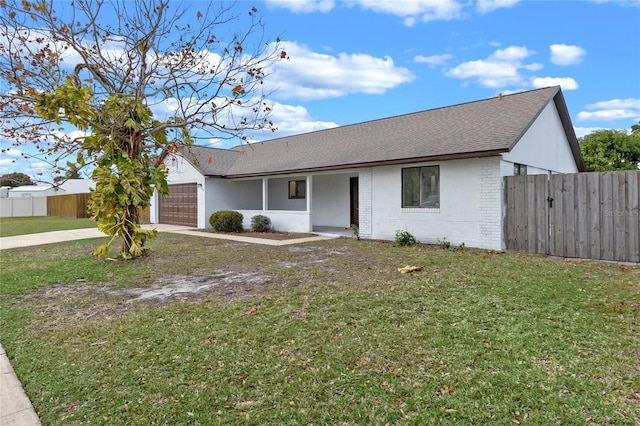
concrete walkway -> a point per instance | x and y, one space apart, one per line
81 234
15 406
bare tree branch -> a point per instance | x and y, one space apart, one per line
138 79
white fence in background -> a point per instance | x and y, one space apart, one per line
23 207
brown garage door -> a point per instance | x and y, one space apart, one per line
180 206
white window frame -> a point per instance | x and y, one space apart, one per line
428 199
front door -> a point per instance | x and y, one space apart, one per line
353 195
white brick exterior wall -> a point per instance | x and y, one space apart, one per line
365 204
490 214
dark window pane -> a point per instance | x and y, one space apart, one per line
411 187
430 186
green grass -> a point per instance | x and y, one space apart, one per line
10 226
322 333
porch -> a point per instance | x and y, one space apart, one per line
322 203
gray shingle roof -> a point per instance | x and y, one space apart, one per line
473 129
210 161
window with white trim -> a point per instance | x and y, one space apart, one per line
421 187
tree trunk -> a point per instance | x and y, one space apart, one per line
133 216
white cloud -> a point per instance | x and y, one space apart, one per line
11 153
620 2
7 165
294 119
628 103
485 6
289 120
614 109
607 115
501 68
415 10
511 53
31 41
584 131
303 6
309 75
36 160
41 170
533 67
12 160
567 83
505 67
411 12
433 60
563 54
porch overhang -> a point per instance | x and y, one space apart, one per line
431 158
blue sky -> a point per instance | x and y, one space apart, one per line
354 61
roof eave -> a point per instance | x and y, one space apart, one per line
444 157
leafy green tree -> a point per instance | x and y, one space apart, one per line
137 80
68 174
15 179
605 150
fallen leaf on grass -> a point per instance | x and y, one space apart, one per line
446 390
407 269
252 311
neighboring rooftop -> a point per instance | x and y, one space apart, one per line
474 129
78 186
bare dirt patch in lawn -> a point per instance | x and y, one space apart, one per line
65 305
68 304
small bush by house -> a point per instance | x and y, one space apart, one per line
405 238
260 223
226 221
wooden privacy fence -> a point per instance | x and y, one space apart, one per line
583 215
68 205
75 206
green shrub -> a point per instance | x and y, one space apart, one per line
404 238
444 243
260 223
226 221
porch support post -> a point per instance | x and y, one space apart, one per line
309 201
265 193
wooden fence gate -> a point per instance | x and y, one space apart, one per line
584 215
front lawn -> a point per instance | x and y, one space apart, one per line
206 331
10 226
